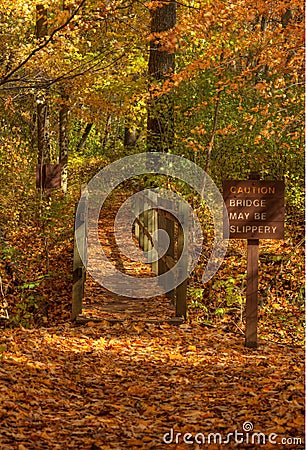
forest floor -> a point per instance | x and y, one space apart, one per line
133 380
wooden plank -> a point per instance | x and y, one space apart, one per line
153 201
167 214
252 294
159 218
142 226
171 321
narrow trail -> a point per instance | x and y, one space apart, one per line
101 304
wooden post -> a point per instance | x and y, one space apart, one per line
141 233
162 226
169 227
181 290
256 211
150 225
145 222
79 270
252 287
154 228
251 294
136 226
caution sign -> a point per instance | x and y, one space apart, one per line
255 208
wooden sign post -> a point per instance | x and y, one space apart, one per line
48 176
252 293
256 211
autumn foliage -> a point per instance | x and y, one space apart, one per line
232 101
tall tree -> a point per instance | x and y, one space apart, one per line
160 125
43 138
64 139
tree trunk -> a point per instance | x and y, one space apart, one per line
41 21
64 126
64 141
160 126
84 137
130 137
43 138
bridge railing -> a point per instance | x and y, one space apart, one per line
155 213
160 213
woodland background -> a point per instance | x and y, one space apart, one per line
83 83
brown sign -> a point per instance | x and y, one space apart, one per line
255 208
48 176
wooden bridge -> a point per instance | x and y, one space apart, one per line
93 302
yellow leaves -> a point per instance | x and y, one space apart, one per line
153 394
60 18
230 129
8 104
138 328
3 348
192 348
194 145
175 356
199 130
155 4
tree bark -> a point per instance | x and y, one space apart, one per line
130 137
64 141
160 125
43 138
84 136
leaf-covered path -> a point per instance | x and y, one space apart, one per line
126 385
99 303
136 384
